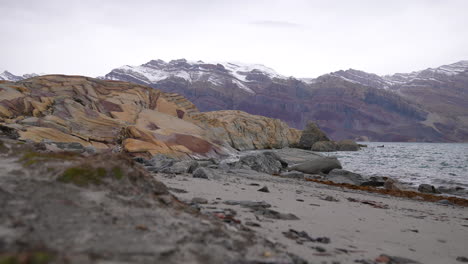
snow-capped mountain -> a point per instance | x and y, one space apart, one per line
427 105
439 74
8 76
216 73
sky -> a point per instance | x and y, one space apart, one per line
301 38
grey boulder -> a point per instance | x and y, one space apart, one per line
317 165
344 176
325 146
267 162
185 166
205 173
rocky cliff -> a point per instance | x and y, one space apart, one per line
111 115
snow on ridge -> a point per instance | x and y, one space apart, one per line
158 70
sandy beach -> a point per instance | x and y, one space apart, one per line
360 226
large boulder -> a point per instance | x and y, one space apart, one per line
267 162
325 146
310 135
317 165
344 176
348 145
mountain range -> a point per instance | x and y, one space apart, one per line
430 105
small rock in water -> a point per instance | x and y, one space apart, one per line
264 189
462 259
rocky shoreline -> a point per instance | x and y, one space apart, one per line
96 171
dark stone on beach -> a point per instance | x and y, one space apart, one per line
375 181
248 204
427 188
267 162
344 176
268 213
160 162
330 199
204 173
253 224
323 240
264 189
185 166
199 200
302 236
462 259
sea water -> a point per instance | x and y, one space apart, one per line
439 164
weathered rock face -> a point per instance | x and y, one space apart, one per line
245 132
139 119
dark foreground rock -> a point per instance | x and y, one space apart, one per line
68 208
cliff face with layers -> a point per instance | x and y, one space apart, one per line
113 115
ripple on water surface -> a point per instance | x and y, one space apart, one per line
416 163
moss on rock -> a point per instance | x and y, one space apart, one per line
83 176
32 157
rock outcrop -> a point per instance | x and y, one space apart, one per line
310 135
246 132
135 118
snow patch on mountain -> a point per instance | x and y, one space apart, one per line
217 73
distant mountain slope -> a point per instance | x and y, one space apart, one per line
429 105
8 76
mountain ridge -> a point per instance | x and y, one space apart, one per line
346 103
426 105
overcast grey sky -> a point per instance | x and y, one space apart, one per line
294 37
